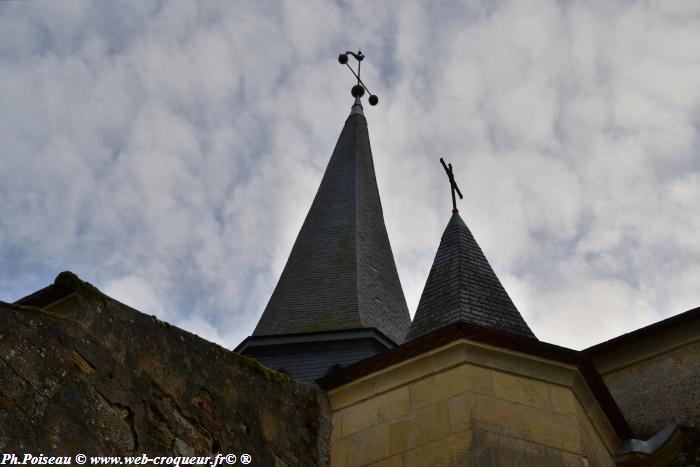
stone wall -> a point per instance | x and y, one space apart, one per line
90 375
445 409
659 390
653 388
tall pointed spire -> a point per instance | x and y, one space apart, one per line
341 272
339 299
462 287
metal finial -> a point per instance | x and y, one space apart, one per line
453 184
359 89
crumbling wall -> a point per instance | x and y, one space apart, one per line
91 375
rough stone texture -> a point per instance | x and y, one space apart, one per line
341 272
462 286
94 376
656 391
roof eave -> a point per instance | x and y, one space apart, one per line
496 338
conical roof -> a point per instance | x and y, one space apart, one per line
462 287
341 272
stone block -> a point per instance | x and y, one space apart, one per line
420 427
554 430
522 390
595 448
492 449
527 423
563 399
395 461
448 451
386 407
368 446
423 392
337 431
466 377
339 453
394 404
573 460
460 411
359 417
403 435
379 383
449 383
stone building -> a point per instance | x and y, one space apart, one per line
356 382
467 382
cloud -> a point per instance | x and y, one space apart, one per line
169 151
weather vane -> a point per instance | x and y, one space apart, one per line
359 89
453 184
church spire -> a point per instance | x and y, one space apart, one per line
462 286
341 272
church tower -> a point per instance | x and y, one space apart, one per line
462 287
339 299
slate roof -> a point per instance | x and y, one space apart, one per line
309 356
341 272
462 287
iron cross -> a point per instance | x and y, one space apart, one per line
453 184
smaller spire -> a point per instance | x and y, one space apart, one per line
462 287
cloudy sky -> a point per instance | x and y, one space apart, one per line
168 152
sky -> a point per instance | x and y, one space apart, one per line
168 152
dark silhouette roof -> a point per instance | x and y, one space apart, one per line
462 287
307 357
341 272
